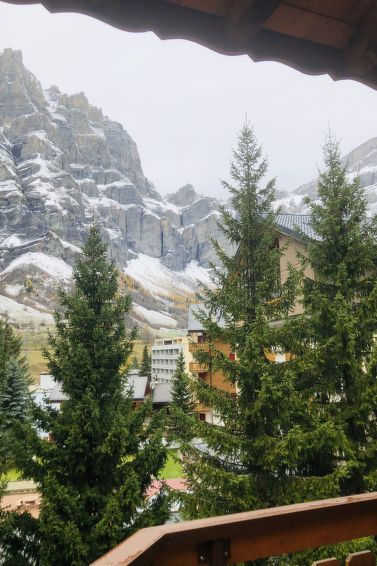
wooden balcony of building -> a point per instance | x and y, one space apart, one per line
233 539
196 367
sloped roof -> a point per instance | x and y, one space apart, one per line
56 395
296 225
162 393
139 385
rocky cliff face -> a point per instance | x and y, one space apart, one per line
361 161
64 164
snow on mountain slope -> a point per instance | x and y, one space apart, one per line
159 280
21 314
64 164
361 161
52 266
154 317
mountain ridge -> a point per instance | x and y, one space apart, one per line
360 161
63 164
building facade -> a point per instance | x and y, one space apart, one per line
165 354
292 231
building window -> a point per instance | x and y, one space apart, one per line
202 417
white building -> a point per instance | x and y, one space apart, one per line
165 354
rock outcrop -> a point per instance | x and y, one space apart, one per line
63 163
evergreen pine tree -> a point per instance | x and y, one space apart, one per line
135 363
181 391
14 428
14 395
102 457
14 410
182 401
263 445
10 348
341 311
146 365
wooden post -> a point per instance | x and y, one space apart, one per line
364 558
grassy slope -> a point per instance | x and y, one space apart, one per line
173 468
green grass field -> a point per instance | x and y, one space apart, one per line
37 363
173 468
13 475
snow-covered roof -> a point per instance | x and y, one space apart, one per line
296 225
139 386
162 393
56 395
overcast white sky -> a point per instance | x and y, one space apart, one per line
183 103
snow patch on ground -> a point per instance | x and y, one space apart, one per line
72 247
158 279
155 317
197 273
11 242
13 290
54 266
21 314
113 234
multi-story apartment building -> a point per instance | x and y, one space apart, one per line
292 229
165 354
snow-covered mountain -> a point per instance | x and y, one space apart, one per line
64 164
361 161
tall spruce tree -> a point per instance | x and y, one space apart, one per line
146 365
14 428
181 391
135 363
14 395
262 446
341 309
94 473
182 400
10 348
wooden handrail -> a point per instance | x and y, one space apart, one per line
251 535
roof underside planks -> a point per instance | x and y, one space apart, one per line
315 36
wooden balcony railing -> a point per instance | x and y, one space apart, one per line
231 539
195 367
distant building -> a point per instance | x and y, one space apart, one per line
198 340
165 354
291 232
139 385
49 391
161 395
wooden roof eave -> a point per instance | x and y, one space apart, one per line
243 27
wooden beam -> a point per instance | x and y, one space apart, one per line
360 57
217 7
245 18
310 26
253 535
306 56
